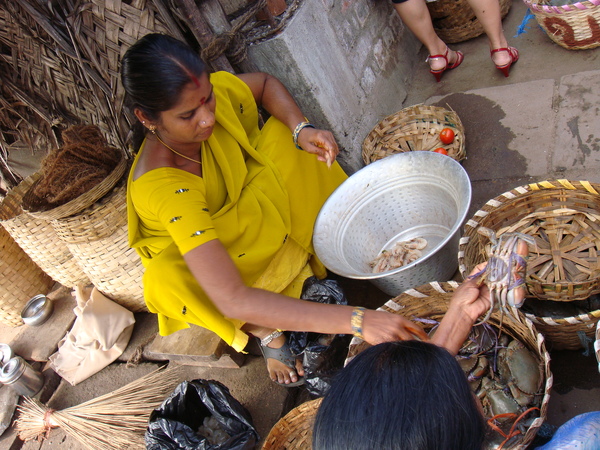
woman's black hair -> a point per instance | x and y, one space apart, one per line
400 395
154 72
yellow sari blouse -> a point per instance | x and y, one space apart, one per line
258 195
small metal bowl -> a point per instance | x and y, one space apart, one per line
37 310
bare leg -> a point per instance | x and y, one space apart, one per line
488 14
278 371
415 15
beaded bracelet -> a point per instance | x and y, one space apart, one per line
298 129
356 322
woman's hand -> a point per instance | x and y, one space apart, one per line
382 326
319 142
472 297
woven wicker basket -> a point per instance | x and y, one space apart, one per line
414 128
38 239
564 218
294 430
86 199
97 238
430 301
454 20
574 27
563 333
22 279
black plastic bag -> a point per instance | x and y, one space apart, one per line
175 424
319 351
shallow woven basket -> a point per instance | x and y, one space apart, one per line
454 20
563 333
86 199
21 278
414 128
563 266
97 238
575 26
294 430
38 238
431 300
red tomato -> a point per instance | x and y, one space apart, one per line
447 135
441 150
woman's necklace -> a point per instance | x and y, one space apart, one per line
175 151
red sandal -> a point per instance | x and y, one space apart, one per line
438 73
514 57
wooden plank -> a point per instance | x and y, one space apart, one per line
194 346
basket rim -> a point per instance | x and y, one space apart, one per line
538 6
305 411
87 198
457 125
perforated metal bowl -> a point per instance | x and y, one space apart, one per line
402 196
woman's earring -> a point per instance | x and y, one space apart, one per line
152 129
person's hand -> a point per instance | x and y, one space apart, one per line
382 326
472 297
319 142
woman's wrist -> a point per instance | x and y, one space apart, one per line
302 125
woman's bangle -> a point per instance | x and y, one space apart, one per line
356 322
298 129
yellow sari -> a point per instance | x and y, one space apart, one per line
258 195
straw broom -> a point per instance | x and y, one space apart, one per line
116 420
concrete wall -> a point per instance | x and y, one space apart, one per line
347 64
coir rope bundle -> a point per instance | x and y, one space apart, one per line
116 420
76 175
38 239
294 430
430 302
414 128
575 26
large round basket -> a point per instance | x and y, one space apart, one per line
575 26
564 218
567 333
97 238
414 128
86 199
294 430
454 20
38 239
430 301
22 279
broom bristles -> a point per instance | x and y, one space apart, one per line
112 421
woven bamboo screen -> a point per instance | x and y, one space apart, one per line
59 60
63 63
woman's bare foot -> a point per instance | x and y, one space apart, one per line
279 371
283 367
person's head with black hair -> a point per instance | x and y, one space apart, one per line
154 72
408 395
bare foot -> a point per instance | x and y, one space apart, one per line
278 371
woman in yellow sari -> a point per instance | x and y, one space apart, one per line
222 211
